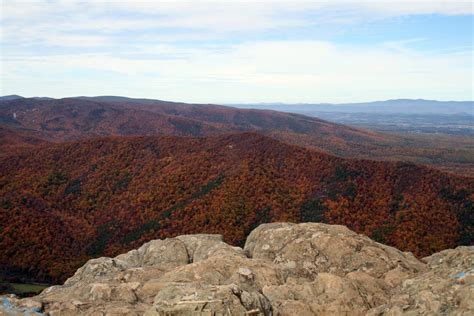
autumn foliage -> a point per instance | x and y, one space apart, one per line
72 119
64 203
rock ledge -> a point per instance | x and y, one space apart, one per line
284 269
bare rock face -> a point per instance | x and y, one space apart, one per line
284 269
447 288
305 250
328 270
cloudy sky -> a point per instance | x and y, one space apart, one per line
239 51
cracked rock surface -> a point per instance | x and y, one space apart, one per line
284 269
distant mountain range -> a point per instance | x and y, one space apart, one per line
404 116
399 106
88 117
16 97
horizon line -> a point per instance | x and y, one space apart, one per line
233 103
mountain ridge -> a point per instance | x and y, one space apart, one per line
78 196
74 119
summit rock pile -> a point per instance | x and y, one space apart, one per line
284 269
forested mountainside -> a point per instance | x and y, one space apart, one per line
63 203
79 118
14 141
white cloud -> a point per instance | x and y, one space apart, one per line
225 13
135 48
301 71
28 8
70 23
399 7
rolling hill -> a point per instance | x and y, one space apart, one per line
14 141
88 117
63 203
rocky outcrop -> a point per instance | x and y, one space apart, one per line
446 288
284 269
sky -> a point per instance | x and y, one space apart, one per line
232 51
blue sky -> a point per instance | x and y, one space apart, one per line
239 51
